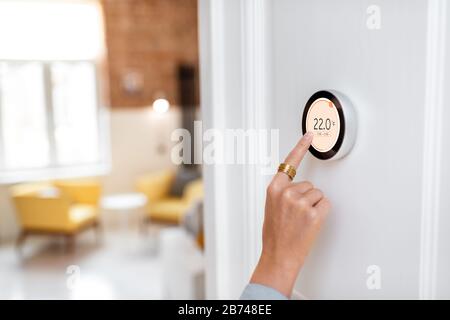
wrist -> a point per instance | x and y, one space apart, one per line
279 274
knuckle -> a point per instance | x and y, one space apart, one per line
318 214
287 194
273 188
307 184
303 203
319 193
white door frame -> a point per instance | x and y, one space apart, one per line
434 144
233 47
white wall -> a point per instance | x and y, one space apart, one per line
376 190
140 143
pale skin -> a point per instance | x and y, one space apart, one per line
294 213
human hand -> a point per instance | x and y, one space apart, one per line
294 213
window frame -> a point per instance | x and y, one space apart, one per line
54 170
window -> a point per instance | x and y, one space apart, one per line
74 100
51 120
23 126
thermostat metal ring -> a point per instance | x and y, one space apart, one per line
347 124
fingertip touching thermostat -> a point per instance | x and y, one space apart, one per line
330 116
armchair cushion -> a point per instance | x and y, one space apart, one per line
173 209
169 210
80 216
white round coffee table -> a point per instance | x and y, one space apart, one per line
124 203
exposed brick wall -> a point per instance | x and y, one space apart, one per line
146 41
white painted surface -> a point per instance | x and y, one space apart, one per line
140 143
389 194
376 190
224 200
443 234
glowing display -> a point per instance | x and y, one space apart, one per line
323 120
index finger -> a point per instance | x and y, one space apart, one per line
296 155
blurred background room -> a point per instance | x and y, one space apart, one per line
91 204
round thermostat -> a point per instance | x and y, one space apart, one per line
330 116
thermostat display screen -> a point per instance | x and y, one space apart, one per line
323 121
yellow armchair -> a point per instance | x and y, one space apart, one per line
62 208
161 206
